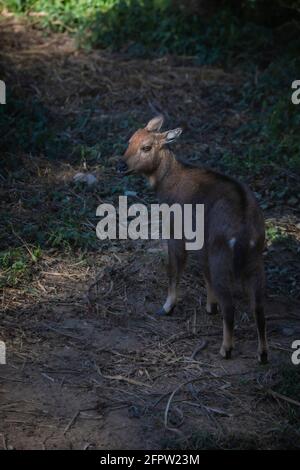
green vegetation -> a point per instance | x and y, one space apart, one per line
16 265
272 129
159 26
275 235
24 125
230 38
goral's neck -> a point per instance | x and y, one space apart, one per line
162 179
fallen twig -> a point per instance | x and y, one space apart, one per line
124 379
283 397
71 422
199 348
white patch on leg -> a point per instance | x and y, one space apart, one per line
170 302
232 242
252 243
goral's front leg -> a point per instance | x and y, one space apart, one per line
176 262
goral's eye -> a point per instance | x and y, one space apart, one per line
147 148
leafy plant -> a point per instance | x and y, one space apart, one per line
16 265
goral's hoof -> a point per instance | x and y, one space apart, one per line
225 353
263 357
162 311
212 309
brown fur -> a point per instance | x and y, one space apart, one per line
231 213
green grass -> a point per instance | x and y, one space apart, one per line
25 116
269 57
72 228
274 234
156 27
145 27
17 265
64 220
272 129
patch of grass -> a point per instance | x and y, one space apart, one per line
282 272
150 27
275 234
70 233
271 128
25 120
27 126
70 223
158 27
16 265
58 14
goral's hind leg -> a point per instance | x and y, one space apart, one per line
257 286
211 300
228 326
221 283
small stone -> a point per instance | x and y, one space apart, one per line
130 193
86 178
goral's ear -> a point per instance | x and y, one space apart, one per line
171 136
155 124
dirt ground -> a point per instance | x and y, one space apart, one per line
89 364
